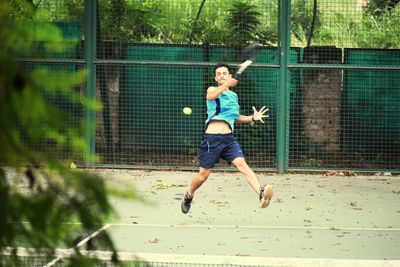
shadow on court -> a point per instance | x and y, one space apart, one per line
310 216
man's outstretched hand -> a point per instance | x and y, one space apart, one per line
259 115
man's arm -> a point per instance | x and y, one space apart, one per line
257 116
245 119
215 92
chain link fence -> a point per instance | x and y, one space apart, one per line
339 79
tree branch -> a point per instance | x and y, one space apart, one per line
314 20
195 21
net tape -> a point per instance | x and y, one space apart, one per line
157 259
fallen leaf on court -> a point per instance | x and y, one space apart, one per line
178 197
338 173
355 206
219 203
165 186
378 179
155 240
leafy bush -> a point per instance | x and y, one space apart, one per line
380 31
39 194
301 20
366 31
243 20
381 7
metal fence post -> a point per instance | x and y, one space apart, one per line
282 121
90 56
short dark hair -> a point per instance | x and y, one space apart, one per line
220 65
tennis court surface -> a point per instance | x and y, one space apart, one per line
313 220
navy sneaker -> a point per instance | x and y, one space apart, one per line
266 194
187 201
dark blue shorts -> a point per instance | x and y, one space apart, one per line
216 146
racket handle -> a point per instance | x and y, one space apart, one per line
236 76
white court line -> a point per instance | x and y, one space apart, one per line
83 241
262 261
213 260
257 227
80 244
332 228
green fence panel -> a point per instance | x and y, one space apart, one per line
340 114
155 97
71 33
371 125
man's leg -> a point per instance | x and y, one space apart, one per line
251 177
198 180
265 192
196 183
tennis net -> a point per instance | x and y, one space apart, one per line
65 257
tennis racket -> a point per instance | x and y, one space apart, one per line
249 55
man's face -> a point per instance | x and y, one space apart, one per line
221 75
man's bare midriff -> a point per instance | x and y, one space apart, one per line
218 127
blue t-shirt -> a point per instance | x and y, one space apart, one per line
224 108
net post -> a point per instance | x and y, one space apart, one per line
90 56
282 114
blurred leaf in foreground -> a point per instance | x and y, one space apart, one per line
39 194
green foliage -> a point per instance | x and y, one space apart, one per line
381 7
116 21
136 21
73 11
243 20
237 21
364 31
380 32
310 162
301 19
39 194
267 32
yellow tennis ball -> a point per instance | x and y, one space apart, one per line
187 111
72 165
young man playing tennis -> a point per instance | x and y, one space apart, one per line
219 141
